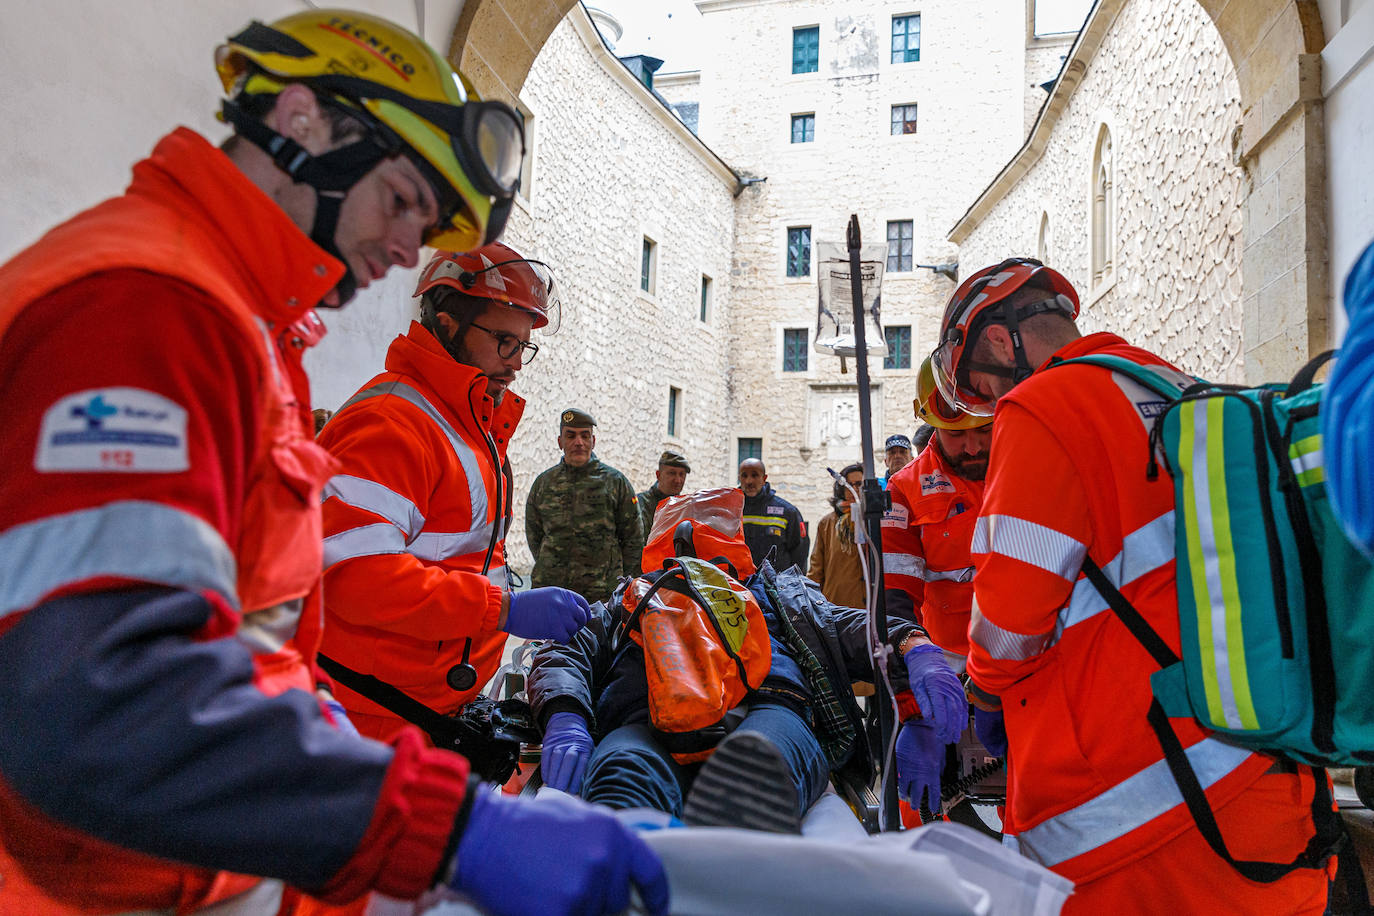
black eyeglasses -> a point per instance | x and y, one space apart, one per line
507 345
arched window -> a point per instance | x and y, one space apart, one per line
1103 209
1042 246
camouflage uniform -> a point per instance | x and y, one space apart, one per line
648 504
583 528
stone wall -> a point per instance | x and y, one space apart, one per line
608 170
1044 58
969 89
1164 85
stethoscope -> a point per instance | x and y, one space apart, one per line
462 677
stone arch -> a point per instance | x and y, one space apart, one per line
496 41
1276 48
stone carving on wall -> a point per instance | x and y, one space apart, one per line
833 421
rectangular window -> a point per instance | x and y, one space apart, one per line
806 49
803 128
799 251
794 350
906 39
750 448
903 119
648 265
706 295
898 341
674 401
899 245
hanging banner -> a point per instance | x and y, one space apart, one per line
835 305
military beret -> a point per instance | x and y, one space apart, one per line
674 459
897 441
578 419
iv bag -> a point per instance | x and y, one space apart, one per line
835 305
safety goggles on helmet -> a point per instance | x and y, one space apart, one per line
498 272
932 408
979 301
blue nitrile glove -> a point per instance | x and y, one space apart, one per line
522 856
547 613
920 758
991 730
336 712
937 690
567 748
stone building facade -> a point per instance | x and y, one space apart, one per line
1131 186
613 167
970 90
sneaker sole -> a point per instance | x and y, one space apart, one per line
745 783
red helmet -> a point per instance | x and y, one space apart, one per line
979 301
497 272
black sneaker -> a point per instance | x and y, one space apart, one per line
745 783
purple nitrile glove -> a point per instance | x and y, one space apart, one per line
937 691
991 730
567 748
920 758
521 856
547 613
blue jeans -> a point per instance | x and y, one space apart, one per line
630 769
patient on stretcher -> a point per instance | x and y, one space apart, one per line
786 720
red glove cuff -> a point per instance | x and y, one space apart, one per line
403 847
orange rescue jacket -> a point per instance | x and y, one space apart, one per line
415 525
278 553
1089 792
927 536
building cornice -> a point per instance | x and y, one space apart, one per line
592 40
1085 48
677 78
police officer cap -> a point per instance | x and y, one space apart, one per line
577 419
674 459
897 441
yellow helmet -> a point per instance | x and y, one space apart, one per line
932 408
406 94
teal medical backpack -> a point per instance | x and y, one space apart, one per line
1276 606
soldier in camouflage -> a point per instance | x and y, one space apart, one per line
669 480
581 519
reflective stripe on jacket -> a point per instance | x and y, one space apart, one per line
415 525
1089 792
926 541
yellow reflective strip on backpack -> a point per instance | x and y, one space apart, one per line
1235 676
1308 461
722 602
1188 456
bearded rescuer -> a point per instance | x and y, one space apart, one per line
1090 793
414 522
928 532
164 747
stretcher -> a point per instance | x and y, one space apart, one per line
835 867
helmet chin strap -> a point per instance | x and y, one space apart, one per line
331 174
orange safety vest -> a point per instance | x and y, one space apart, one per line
192 216
1089 791
415 525
926 539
